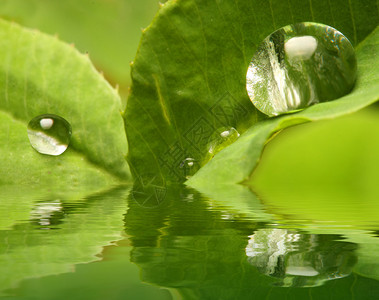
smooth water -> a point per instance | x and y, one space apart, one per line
227 245
300 65
49 134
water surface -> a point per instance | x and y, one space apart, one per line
224 245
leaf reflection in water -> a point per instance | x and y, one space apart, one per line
204 249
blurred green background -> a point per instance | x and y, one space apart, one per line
108 30
325 171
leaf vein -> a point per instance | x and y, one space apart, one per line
353 22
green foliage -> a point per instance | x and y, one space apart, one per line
108 30
38 75
189 80
236 163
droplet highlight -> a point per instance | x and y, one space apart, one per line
222 138
189 167
49 134
300 65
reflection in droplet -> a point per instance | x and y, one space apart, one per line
300 65
302 47
300 259
222 138
46 123
49 134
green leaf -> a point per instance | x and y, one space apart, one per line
108 30
39 75
240 159
189 81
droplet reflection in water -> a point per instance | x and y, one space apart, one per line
298 259
300 65
49 134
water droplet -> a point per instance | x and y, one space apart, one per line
222 138
300 65
49 134
189 167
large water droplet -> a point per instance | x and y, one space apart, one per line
49 134
300 65
222 138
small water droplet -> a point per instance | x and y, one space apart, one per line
189 167
222 138
300 65
49 134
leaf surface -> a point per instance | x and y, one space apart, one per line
189 81
40 75
108 30
240 159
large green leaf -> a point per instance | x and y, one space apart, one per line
38 75
189 80
237 162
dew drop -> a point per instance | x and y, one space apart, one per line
300 65
189 167
188 162
49 134
222 138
